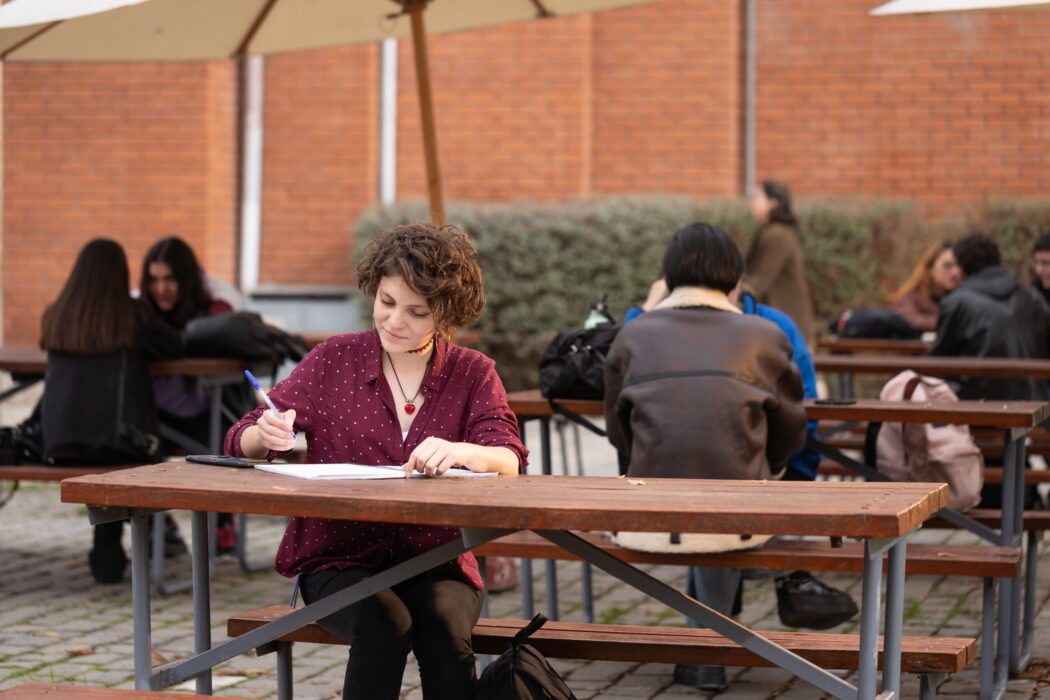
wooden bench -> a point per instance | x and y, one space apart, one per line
932 658
992 475
41 691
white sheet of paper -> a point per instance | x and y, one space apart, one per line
354 471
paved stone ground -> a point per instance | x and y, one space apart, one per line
57 625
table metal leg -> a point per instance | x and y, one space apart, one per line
989 689
723 625
891 668
201 593
869 621
143 644
551 566
527 606
179 671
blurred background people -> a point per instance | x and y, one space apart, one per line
1041 266
98 405
776 269
175 287
918 299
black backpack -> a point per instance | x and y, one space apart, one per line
572 366
521 673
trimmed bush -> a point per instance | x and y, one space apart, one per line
546 263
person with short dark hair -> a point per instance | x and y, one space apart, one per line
696 389
991 314
398 394
1041 266
776 268
98 402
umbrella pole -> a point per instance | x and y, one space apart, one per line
426 112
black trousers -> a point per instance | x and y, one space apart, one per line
430 615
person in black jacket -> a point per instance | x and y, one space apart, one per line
991 314
98 405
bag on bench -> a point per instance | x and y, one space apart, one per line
927 452
522 673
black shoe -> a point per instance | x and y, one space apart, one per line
107 559
701 677
803 601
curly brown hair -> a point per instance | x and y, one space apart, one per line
439 264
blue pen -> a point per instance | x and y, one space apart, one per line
255 385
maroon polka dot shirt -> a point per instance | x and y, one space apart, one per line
346 409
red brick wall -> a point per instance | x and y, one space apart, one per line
667 91
944 108
320 161
512 107
132 153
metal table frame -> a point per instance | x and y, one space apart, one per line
205 657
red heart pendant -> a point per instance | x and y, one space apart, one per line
410 409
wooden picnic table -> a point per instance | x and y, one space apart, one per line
1016 419
29 366
879 513
1003 367
849 346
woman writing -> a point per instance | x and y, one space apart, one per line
397 394
776 270
918 300
98 402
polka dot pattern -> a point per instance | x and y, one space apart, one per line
346 409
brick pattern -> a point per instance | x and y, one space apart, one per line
125 152
947 108
320 161
667 99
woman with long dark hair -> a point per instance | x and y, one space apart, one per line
98 403
175 287
776 270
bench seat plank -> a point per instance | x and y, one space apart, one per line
579 640
992 475
41 691
932 559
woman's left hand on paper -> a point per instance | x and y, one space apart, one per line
434 456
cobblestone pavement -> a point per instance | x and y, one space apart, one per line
57 625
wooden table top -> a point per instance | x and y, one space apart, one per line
993 414
1002 367
34 361
849 509
883 345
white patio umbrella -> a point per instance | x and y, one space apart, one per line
907 7
187 30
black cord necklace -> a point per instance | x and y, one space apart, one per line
409 406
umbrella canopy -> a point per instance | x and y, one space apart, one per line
187 30
907 7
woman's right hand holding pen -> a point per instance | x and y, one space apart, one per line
273 431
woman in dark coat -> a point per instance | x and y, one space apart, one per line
98 402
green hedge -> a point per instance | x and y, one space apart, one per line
546 263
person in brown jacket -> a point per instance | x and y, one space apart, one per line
696 389
776 271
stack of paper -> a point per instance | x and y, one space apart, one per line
354 471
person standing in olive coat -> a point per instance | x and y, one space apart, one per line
776 271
